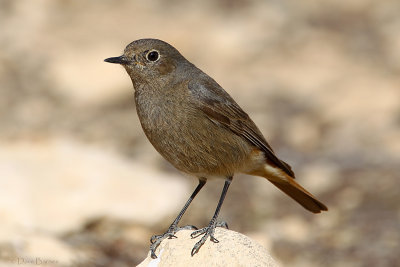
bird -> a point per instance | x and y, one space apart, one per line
200 129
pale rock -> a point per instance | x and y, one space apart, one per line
233 249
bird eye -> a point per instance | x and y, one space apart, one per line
153 55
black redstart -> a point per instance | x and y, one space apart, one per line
197 126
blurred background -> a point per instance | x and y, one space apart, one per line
81 185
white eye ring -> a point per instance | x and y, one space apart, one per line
153 55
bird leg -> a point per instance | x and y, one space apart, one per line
209 230
173 228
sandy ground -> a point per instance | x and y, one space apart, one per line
81 185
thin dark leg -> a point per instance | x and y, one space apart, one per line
173 228
197 190
209 230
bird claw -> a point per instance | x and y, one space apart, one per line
206 232
156 240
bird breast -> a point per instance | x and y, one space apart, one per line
186 137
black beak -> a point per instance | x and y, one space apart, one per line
118 60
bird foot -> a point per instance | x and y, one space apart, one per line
156 240
206 232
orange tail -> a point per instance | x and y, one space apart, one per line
290 187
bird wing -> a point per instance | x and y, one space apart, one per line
219 107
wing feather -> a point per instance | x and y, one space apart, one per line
220 108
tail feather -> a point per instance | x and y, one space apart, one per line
290 187
299 194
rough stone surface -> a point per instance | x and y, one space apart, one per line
233 249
